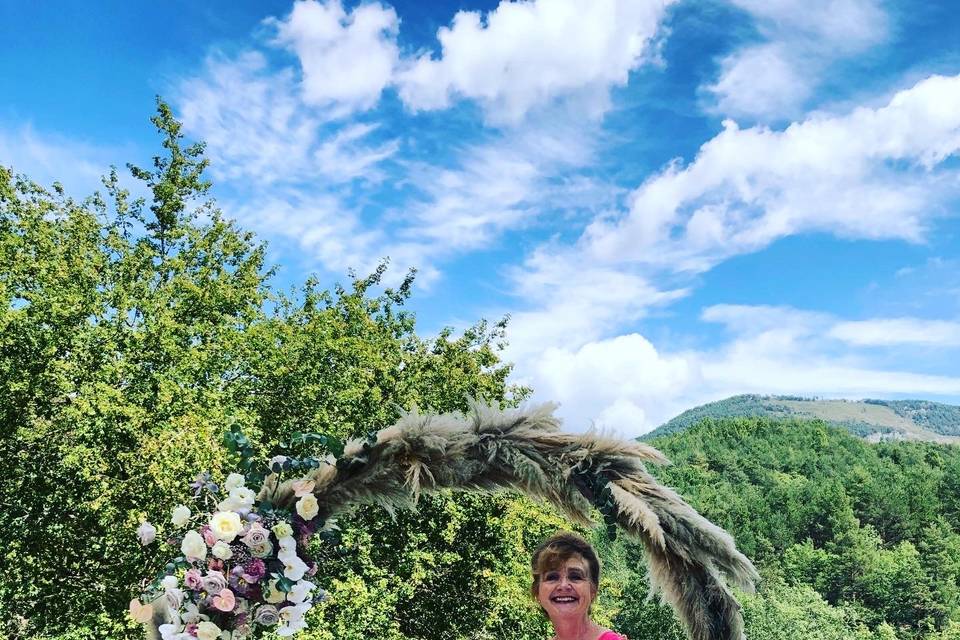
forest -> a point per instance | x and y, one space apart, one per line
136 332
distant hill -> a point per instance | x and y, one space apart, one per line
870 419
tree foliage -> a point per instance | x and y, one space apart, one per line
872 529
137 332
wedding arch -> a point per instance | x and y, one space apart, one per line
692 561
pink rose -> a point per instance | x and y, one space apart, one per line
208 536
256 536
193 579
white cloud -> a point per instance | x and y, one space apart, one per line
895 331
774 78
626 384
760 79
749 187
570 303
347 59
257 128
45 158
610 382
524 54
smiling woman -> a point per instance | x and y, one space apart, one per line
566 576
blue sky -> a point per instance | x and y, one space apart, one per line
674 201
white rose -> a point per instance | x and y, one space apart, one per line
222 550
226 525
170 582
207 631
180 516
282 530
262 550
243 496
307 507
229 504
147 533
233 481
193 546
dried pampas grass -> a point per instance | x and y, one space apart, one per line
691 559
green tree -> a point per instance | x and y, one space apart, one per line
136 332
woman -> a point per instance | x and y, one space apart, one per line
566 574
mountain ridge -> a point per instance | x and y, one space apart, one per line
874 420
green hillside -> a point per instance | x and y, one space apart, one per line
872 419
853 539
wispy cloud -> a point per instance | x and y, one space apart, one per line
772 79
258 129
46 158
749 187
895 331
871 174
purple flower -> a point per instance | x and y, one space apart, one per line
254 570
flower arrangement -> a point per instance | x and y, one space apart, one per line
243 567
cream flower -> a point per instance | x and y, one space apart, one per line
222 550
274 595
307 507
193 546
180 516
170 582
282 530
206 630
262 550
140 612
226 525
233 481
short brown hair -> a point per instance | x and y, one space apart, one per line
556 550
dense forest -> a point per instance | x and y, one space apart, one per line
865 535
135 333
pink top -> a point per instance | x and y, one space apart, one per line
610 635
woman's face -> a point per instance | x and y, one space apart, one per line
567 591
